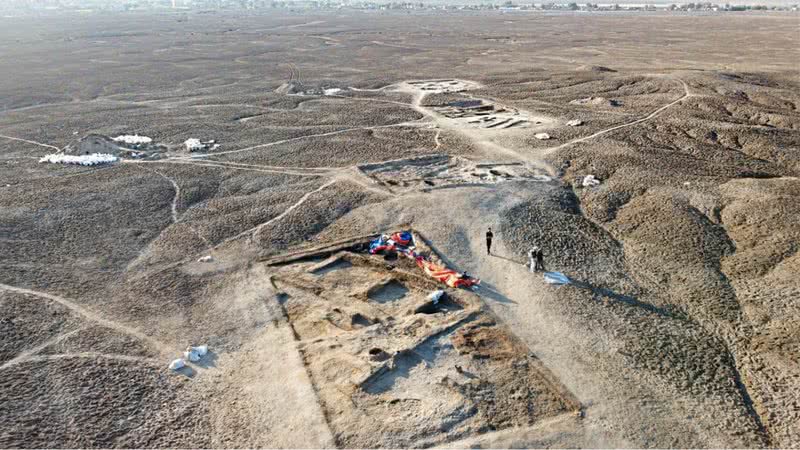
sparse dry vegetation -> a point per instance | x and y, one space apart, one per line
679 328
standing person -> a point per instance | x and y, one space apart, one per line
532 258
540 260
489 237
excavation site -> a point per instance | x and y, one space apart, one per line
393 365
313 225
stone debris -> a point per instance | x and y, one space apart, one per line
542 136
575 123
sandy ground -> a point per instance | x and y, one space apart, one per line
678 330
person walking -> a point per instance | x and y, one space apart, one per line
489 237
532 258
540 260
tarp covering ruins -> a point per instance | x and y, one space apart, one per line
403 243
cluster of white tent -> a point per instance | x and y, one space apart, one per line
83 160
133 139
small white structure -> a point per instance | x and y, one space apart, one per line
575 123
191 355
194 145
134 139
82 160
207 258
590 180
542 136
201 350
435 296
177 364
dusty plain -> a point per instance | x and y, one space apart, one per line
680 328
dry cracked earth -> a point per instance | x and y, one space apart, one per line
679 328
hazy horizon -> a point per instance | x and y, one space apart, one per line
26 5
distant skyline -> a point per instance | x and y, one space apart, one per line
28 4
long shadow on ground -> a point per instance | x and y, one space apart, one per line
608 293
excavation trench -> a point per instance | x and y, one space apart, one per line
383 357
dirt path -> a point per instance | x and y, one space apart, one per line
650 116
265 394
354 175
617 408
284 141
280 216
97 355
94 317
28 354
175 204
220 165
370 100
335 174
404 47
92 355
302 170
40 144
481 140
484 140
623 408
175 198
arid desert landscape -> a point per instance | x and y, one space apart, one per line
213 179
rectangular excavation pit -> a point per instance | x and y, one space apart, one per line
407 372
483 114
441 171
388 291
335 262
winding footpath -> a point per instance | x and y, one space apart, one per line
352 173
92 316
650 116
40 144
